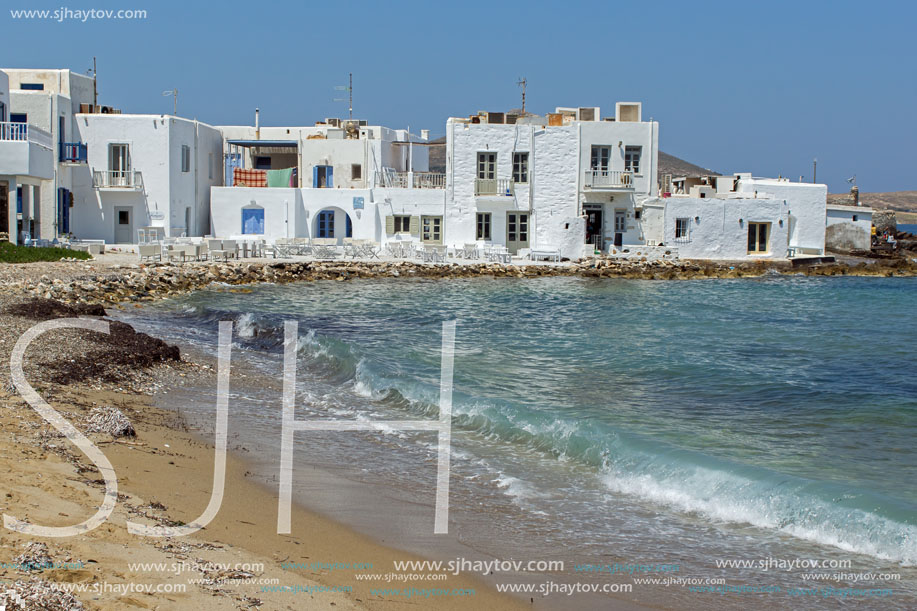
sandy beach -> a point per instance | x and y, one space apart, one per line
165 478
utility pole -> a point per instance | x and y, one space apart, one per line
522 83
95 89
814 168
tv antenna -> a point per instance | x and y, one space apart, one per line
349 98
174 94
522 83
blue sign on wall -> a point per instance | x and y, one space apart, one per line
358 203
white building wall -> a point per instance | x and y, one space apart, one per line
848 228
293 213
155 143
718 228
807 205
61 97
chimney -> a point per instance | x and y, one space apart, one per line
425 134
855 193
257 124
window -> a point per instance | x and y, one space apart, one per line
124 217
600 157
632 158
19 117
431 229
185 158
487 166
32 86
520 167
638 214
325 224
2 112
620 222
682 231
402 224
119 159
356 171
262 163
253 220
758 234
322 177
483 222
854 218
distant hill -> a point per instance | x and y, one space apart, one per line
903 201
438 155
668 164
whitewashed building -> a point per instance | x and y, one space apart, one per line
848 228
26 163
559 182
47 101
740 217
144 173
351 180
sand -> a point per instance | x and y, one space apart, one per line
165 475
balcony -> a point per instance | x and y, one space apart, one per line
117 180
609 179
72 152
26 150
493 187
411 180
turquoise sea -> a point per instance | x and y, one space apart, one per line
632 421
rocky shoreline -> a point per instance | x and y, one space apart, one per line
134 282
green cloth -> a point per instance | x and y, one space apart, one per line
280 178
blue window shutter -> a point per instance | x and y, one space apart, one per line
315 177
19 200
330 174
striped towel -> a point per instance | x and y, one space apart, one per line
249 178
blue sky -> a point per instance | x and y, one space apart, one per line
761 87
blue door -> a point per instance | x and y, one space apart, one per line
63 211
325 224
349 232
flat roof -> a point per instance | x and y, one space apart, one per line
252 143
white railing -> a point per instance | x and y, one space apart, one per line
429 180
402 180
392 180
23 132
493 186
609 178
117 179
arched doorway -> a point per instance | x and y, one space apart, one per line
332 223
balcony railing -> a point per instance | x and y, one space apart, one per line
117 179
609 179
402 180
429 180
23 132
72 152
501 187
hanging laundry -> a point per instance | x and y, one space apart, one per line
280 178
249 178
